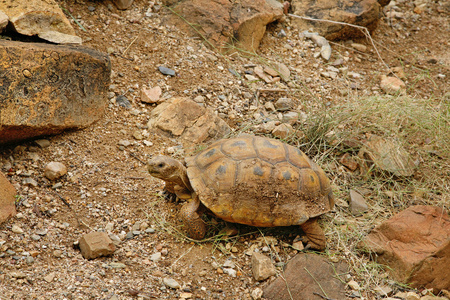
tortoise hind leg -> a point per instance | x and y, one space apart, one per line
315 237
193 223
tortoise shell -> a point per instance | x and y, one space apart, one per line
259 181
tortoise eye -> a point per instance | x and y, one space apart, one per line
160 165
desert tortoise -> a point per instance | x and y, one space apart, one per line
249 180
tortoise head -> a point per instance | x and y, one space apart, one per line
165 168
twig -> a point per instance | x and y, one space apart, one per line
132 42
137 158
181 256
64 200
362 28
316 282
78 23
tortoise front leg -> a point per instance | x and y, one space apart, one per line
193 223
315 237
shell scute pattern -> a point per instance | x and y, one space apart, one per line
259 181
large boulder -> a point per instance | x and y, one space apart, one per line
300 278
227 23
7 199
49 88
182 117
43 18
364 13
415 244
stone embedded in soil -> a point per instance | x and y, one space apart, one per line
357 12
43 143
46 92
172 283
392 85
123 4
415 244
357 203
166 71
152 95
262 266
223 23
300 278
54 170
284 104
7 199
96 244
184 118
387 155
348 161
282 131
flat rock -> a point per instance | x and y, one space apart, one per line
392 85
357 203
96 244
301 276
415 244
224 22
151 95
184 118
36 17
123 4
387 155
46 92
357 12
262 266
3 20
7 199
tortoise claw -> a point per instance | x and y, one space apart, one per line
169 196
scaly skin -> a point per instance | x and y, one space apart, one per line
193 223
315 237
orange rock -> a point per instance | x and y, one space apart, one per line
415 244
50 88
7 199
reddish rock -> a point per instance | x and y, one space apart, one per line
301 276
415 244
357 12
96 244
7 199
224 23
49 88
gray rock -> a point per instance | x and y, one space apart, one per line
166 71
172 283
357 203
121 100
230 272
156 256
